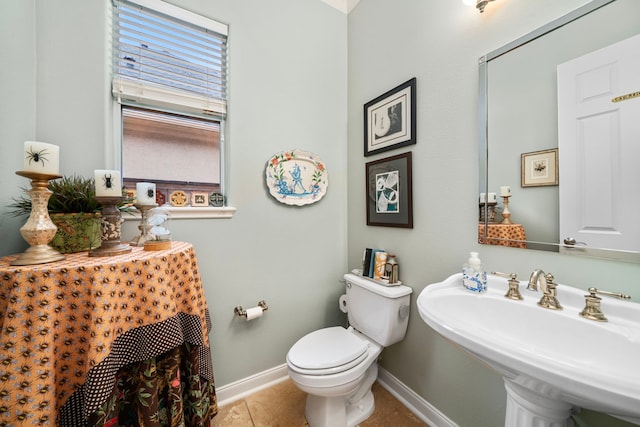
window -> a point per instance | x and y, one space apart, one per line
170 87
173 151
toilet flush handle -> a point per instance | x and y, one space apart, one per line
403 311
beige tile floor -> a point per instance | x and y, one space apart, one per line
283 406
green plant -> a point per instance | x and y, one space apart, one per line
70 194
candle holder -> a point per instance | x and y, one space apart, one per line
39 230
506 214
144 227
489 210
111 227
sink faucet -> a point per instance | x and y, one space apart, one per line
537 277
547 287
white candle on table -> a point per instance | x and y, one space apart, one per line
146 193
491 197
41 157
505 191
108 183
483 198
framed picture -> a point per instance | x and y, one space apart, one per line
389 192
539 168
390 119
199 199
130 194
216 199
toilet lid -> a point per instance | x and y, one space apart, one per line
327 348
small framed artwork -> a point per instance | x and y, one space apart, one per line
178 198
130 194
390 119
216 199
199 199
539 168
389 192
161 198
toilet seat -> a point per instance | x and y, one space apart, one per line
327 351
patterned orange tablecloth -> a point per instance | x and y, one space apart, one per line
512 235
69 327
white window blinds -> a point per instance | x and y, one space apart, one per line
168 57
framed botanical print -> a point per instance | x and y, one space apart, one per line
539 168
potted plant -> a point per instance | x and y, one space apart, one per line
73 209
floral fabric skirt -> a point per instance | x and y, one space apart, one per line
165 391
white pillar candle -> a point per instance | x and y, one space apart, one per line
108 183
505 191
41 157
483 198
491 197
146 193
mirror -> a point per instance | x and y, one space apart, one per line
518 127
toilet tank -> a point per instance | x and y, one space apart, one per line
379 312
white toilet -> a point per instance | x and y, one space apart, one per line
336 367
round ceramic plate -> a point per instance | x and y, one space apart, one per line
296 177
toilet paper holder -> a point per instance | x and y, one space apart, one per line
241 312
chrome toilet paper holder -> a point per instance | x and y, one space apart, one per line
241 312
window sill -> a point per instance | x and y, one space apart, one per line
188 213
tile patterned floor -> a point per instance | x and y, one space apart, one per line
283 406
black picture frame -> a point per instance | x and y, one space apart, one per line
390 119
389 191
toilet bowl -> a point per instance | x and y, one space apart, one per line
337 366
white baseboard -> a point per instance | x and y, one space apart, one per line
421 408
242 388
414 402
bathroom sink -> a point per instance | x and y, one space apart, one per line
553 359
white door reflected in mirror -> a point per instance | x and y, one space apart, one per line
598 134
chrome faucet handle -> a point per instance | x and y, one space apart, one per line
592 309
514 285
549 299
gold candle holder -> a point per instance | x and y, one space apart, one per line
143 227
111 225
39 230
506 214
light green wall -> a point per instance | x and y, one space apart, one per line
439 42
288 89
17 104
293 85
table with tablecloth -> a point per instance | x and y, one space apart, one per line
106 341
512 235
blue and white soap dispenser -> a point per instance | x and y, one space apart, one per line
474 277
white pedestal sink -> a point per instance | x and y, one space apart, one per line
551 360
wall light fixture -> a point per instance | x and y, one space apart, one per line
480 4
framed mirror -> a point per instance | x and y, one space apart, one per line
521 147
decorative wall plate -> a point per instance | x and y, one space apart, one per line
296 177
